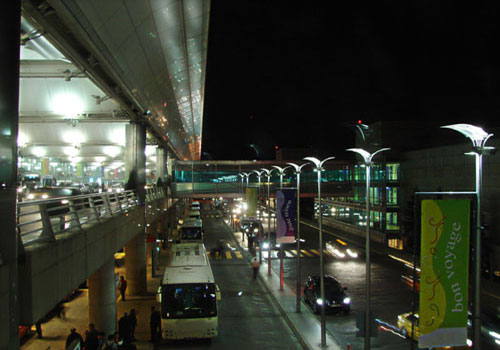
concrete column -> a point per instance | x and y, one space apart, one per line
135 179
9 119
135 265
102 298
161 164
135 159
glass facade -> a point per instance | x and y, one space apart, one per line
346 207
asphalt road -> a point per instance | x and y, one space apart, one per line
248 318
389 295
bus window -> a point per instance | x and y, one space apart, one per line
189 300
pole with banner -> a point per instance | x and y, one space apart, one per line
286 216
444 274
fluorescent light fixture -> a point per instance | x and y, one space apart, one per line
22 139
67 104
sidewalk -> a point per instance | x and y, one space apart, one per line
305 325
57 329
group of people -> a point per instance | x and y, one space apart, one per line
121 340
126 327
94 340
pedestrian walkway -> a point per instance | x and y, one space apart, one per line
57 329
305 324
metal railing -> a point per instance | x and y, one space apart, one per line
43 220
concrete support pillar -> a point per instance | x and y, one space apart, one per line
9 119
135 178
161 164
135 265
135 159
151 253
102 298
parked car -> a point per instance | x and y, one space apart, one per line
336 299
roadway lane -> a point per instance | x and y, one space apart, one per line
248 318
389 295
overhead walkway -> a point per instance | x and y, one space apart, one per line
64 241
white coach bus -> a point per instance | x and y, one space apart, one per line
191 231
188 294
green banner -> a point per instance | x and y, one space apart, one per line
444 264
251 201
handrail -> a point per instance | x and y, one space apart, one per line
43 220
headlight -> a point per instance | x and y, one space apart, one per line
31 196
277 245
351 253
346 301
265 245
255 230
319 301
494 334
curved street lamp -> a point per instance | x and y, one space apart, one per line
281 172
479 137
243 175
319 166
267 172
298 169
367 157
259 175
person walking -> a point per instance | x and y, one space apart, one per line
122 287
155 325
91 338
132 317
74 338
124 328
255 267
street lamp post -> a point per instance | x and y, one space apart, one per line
298 169
479 138
259 175
243 175
319 166
281 171
268 174
367 157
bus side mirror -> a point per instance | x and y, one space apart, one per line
158 295
218 295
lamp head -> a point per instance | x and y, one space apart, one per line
476 134
367 157
297 167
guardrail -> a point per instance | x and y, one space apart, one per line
42 220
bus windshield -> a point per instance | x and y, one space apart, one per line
191 233
193 300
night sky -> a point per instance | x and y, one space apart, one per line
301 76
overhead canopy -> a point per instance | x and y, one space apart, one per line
90 67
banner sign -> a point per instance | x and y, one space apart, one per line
444 264
251 198
286 215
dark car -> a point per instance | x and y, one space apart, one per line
335 297
251 227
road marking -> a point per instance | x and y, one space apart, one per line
228 255
305 252
238 255
315 252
